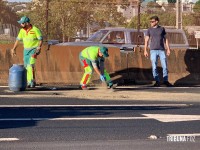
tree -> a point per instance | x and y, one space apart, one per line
144 23
7 16
66 17
105 13
189 20
196 7
166 19
36 14
171 1
154 5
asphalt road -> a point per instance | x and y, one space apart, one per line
54 122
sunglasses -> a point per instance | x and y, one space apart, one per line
152 21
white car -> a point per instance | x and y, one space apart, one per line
127 39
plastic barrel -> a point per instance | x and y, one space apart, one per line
17 78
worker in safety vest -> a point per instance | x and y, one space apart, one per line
32 40
92 58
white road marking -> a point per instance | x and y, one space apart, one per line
159 117
151 87
28 96
73 119
118 87
172 117
8 139
119 105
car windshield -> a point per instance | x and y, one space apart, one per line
97 36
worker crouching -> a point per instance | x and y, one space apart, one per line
92 58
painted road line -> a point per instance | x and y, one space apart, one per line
118 105
28 96
159 117
151 87
172 117
2 86
74 119
8 139
118 87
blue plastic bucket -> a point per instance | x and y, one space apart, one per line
17 78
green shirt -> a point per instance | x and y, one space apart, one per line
30 37
91 53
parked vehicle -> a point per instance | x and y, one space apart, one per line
127 39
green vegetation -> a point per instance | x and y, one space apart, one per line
66 18
167 17
171 1
6 14
6 42
196 7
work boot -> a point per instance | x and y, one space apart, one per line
84 87
166 83
111 85
157 84
31 85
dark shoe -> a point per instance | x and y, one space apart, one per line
31 85
112 86
157 84
166 83
84 87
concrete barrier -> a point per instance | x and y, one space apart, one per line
60 64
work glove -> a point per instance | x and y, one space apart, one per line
102 78
37 52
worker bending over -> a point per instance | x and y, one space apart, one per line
92 58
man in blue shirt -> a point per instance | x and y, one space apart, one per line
157 36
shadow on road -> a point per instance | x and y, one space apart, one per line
30 116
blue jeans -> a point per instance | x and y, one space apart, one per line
154 54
